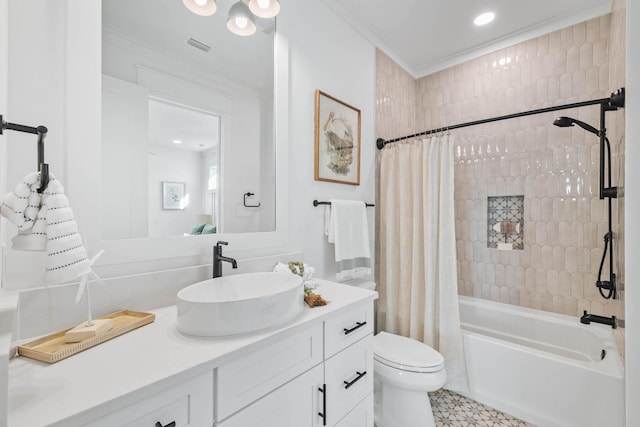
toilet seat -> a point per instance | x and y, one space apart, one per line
406 354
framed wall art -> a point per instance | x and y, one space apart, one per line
173 195
337 141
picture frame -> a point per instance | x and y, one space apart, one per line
173 195
337 141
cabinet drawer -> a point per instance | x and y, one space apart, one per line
295 404
349 378
346 328
360 416
189 404
253 375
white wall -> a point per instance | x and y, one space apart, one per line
47 87
173 165
326 54
125 144
66 97
267 194
36 91
340 62
240 166
632 207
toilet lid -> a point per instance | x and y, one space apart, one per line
406 354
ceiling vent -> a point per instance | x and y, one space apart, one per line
199 45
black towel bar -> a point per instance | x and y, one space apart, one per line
41 131
316 203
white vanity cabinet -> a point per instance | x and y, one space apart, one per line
319 376
295 404
266 368
348 362
361 415
315 371
189 404
348 378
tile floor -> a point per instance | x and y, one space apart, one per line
453 410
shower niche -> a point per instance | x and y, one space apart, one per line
505 222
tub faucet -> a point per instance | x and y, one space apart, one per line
588 318
218 258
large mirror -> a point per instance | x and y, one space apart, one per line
188 142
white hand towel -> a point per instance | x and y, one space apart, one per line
45 222
346 227
22 208
66 255
34 239
22 205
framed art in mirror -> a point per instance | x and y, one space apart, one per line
173 195
337 141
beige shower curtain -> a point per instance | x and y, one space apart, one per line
417 265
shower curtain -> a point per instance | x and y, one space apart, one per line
417 264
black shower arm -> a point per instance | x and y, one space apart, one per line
41 131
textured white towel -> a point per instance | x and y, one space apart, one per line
346 227
22 208
66 255
45 222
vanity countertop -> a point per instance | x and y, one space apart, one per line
146 360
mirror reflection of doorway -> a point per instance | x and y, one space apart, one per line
184 146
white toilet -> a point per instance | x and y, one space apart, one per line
404 371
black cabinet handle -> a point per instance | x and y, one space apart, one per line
323 414
358 325
348 384
171 424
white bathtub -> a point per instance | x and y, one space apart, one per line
542 367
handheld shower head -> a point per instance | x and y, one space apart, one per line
565 122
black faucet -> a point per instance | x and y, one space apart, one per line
218 258
588 318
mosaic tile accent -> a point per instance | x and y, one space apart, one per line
505 221
453 410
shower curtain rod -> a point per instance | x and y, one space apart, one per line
613 99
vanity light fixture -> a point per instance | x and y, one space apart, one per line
264 8
201 7
484 18
240 20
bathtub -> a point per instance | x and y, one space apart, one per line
544 368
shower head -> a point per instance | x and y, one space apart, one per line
565 122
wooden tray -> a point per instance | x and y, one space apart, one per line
53 348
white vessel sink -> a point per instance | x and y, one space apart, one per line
238 304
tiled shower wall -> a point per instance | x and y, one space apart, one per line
555 169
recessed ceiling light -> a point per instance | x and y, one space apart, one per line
484 18
177 141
